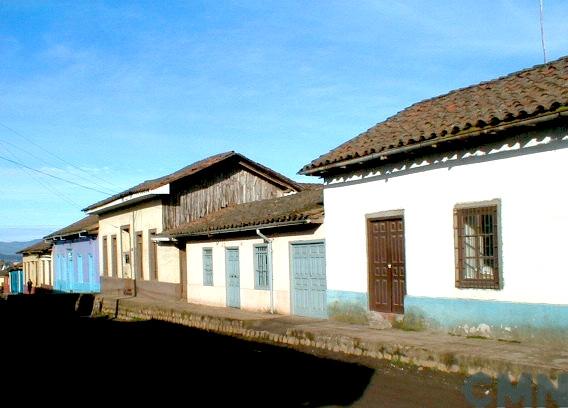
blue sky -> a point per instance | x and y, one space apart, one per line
111 93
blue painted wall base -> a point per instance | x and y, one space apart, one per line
345 306
344 296
488 318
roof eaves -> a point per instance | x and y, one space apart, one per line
126 200
37 248
309 170
68 235
252 227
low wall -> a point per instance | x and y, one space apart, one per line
158 290
116 286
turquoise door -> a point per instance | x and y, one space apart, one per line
233 277
78 283
94 285
309 285
58 272
17 281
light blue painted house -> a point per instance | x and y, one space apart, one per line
76 257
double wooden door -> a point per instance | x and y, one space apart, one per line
309 288
387 277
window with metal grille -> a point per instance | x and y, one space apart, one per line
207 266
477 247
261 271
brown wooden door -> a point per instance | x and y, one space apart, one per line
139 272
113 257
387 278
105 256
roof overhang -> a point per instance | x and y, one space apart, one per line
243 229
131 199
71 235
34 252
343 164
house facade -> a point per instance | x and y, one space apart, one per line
265 256
452 212
135 259
37 266
75 255
4 281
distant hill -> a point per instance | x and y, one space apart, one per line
11 258
8 249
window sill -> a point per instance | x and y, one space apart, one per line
478 285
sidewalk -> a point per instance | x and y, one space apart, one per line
427 349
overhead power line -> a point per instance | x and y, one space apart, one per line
53 176
47 186
29 140
5 142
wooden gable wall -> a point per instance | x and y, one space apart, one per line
195 197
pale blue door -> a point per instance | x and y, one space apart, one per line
58 272
94 285
78 283
233 277
308 279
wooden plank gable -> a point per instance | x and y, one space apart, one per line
232 184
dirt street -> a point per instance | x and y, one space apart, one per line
55 353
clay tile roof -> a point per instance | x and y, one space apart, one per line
311 186
306 206
36 248
89 224
191 170
525 94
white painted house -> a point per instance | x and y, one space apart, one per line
454 210
37 267
266 255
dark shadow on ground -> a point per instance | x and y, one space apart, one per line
57 352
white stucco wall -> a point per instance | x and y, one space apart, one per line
30 266
38 268
45 271
251 298
529 181
142 217
168 263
